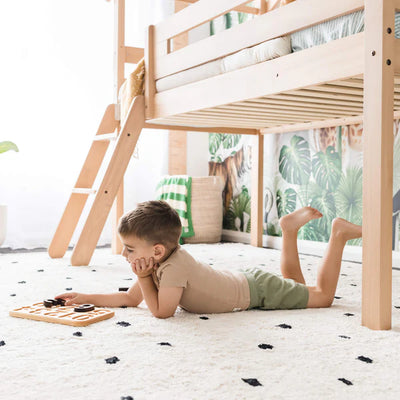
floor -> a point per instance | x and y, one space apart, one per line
282 354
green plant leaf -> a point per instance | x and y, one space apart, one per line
348 196
311 231
238 207
295 162
326 167
6 146
286 201
325 203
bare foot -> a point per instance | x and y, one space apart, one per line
345 229
295 220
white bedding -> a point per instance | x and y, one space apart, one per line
262 52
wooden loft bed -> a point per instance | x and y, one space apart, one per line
349 80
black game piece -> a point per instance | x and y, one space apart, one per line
50 303
60 302
84 308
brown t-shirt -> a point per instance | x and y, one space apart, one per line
206 290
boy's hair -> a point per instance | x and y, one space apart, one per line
154 221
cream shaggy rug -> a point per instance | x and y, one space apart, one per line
291 354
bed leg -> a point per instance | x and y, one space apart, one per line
257 184
378 165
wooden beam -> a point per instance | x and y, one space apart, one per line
257 185
213 129
119 77
378 165
133 54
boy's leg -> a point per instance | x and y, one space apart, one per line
290 224
328 273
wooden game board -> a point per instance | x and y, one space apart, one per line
61 314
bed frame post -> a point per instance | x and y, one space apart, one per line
257 184
119 65
378 164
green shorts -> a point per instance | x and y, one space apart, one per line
271 292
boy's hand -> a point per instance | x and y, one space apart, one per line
71 298
142 268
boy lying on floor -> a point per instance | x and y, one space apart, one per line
168 276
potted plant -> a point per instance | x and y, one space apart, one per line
4 146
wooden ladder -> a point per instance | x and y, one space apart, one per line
105 195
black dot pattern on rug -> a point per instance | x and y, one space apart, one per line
365 359
77 333
14 262
252 382
124 307
203 317
127 398
93 270
22 282
348 314
13 294
343 274
353 284
345 381
337 297
68 277
40 270
396 306
68 288
123 289
164 344
345 337
128 279
2 343
284 326
112 360
123 323
265 346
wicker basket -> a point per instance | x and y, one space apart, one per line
206 207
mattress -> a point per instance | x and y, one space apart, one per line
262 52
336 28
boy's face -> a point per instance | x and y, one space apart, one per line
135 248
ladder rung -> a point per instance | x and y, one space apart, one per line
105 136
84 190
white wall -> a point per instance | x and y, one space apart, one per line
56 79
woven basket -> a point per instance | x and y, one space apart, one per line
206 207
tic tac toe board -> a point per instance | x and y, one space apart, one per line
61 314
